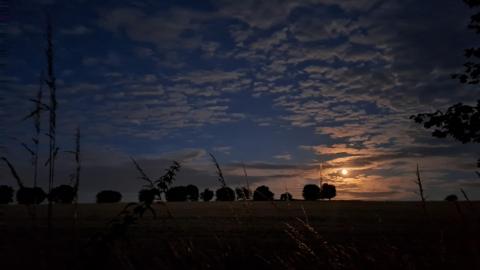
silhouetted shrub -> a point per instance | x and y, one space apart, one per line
451 198
176 194
148 195
6 194
311 192
62 194
328 191
243 193
27 195
192 193
225 194
263 193
109 196
206 195
286 197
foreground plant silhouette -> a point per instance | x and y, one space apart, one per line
52 109
224 193
132 212
421 191
154 188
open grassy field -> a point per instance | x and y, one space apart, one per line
255 235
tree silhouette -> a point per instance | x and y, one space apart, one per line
28 196
109 196
243 193
263 193
6 194
25 195
311 192
192 193
451 198
176 194
460 121
471 73
206 195
286 196
328 191
225 194
62 194
148 195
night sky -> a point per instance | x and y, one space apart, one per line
280 86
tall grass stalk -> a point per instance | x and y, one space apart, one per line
78 168
36 114
246 176
14 172
50 81
143 174
221 179
420 192
470 204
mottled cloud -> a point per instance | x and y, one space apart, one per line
330 83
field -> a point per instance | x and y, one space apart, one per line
255 235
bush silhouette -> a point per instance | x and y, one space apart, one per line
328 191
311 192
451 198
6 194
225 194
206 195
192 193
243 193
176 194
286 197
27 195
148 195
62 194
109 196
263 193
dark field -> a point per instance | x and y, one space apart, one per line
255 235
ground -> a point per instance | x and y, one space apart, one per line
234 235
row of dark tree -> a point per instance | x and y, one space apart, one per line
65 194
35 195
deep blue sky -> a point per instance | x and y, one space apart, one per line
281 86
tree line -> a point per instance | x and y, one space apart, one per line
65 194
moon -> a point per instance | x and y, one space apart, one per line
344 171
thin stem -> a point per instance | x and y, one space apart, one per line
50 81
420 189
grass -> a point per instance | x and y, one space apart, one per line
283 235
220 176
52 109
421 191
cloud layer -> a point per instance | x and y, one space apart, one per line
284 87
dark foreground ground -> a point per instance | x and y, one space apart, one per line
247 235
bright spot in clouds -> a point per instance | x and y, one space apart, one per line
344 172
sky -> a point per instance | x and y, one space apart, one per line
295 91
